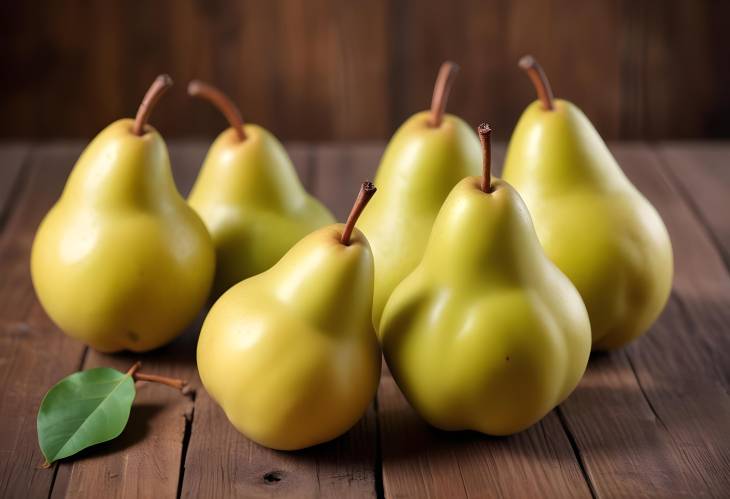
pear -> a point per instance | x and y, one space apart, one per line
593 223
121 262
291 354
426 157
486 333
250 197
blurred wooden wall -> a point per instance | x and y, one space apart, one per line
353 69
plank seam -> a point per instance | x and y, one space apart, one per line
57 465
378 468
187 434
576 452
646 397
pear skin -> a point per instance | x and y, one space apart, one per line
290 354
593 223
250 198
121 262
486 334
421 164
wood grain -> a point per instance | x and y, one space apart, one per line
329 70
33 353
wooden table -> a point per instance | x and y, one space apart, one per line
651 420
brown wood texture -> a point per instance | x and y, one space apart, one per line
651 420
329 69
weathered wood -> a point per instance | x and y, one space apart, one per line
684 367
33 353
329 69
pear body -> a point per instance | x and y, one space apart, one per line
420 166
121 262
593 223
290 354
250 198
486 333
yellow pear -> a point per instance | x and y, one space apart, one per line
290 354
593 223
426 157
486 333
121 261
250 197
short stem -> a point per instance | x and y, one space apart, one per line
197 88
539 80
158 87
485 133
179 384
441 90
367 189
164 380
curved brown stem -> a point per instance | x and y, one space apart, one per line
485 133
179 384
158 87
197 88
441 90
539 80
367 189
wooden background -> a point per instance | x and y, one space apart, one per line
349 69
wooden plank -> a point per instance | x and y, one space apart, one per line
33 353
640 417
221 462
690 371
701 172
420 461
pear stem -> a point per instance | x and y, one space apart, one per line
441 91
367 189
176 383
485 133
539 80
158 87
197 88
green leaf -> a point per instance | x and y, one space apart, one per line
82 410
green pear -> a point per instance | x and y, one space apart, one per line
593 223
486 333
121 262
426 157
291 354
250 197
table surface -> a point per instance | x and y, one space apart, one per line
650 420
